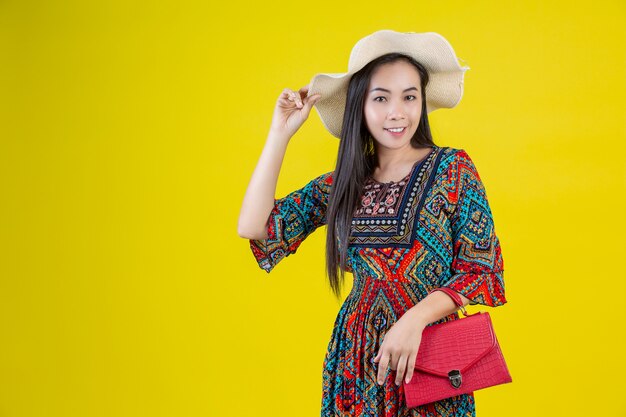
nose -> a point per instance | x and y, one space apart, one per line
396 112
396 116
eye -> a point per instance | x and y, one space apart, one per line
412 99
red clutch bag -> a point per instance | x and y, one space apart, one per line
456 357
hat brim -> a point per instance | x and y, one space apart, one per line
446 75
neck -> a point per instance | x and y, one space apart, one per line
388 160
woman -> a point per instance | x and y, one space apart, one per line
415 216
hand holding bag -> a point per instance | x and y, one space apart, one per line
456 357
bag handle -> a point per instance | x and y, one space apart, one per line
454 295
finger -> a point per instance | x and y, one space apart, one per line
382 368
287 93
310 102
410 367
291 95
313 97
298 98
393 360
401 368
380 353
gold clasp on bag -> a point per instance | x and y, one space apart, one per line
463 310
455 378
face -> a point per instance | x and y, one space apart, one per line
393 99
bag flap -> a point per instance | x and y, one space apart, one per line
456 344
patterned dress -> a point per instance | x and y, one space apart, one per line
431 229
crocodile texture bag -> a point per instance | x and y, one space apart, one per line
456 357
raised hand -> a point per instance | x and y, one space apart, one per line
292 109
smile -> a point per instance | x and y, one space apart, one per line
396 130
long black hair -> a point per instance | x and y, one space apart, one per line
356 161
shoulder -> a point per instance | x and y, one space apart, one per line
456 169
323 182
325 178
455 160
449 159
453 155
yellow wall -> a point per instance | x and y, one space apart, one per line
128 134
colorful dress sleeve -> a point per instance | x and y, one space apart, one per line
477 265
293 218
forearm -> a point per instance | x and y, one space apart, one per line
433 307
259 198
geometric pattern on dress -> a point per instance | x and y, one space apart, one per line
292 219
388 211
477 266
350 387
454 244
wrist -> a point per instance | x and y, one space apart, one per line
279 137
417 316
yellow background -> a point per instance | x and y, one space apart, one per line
129 131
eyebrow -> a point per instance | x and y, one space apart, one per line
387 91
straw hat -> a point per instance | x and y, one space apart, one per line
444 89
